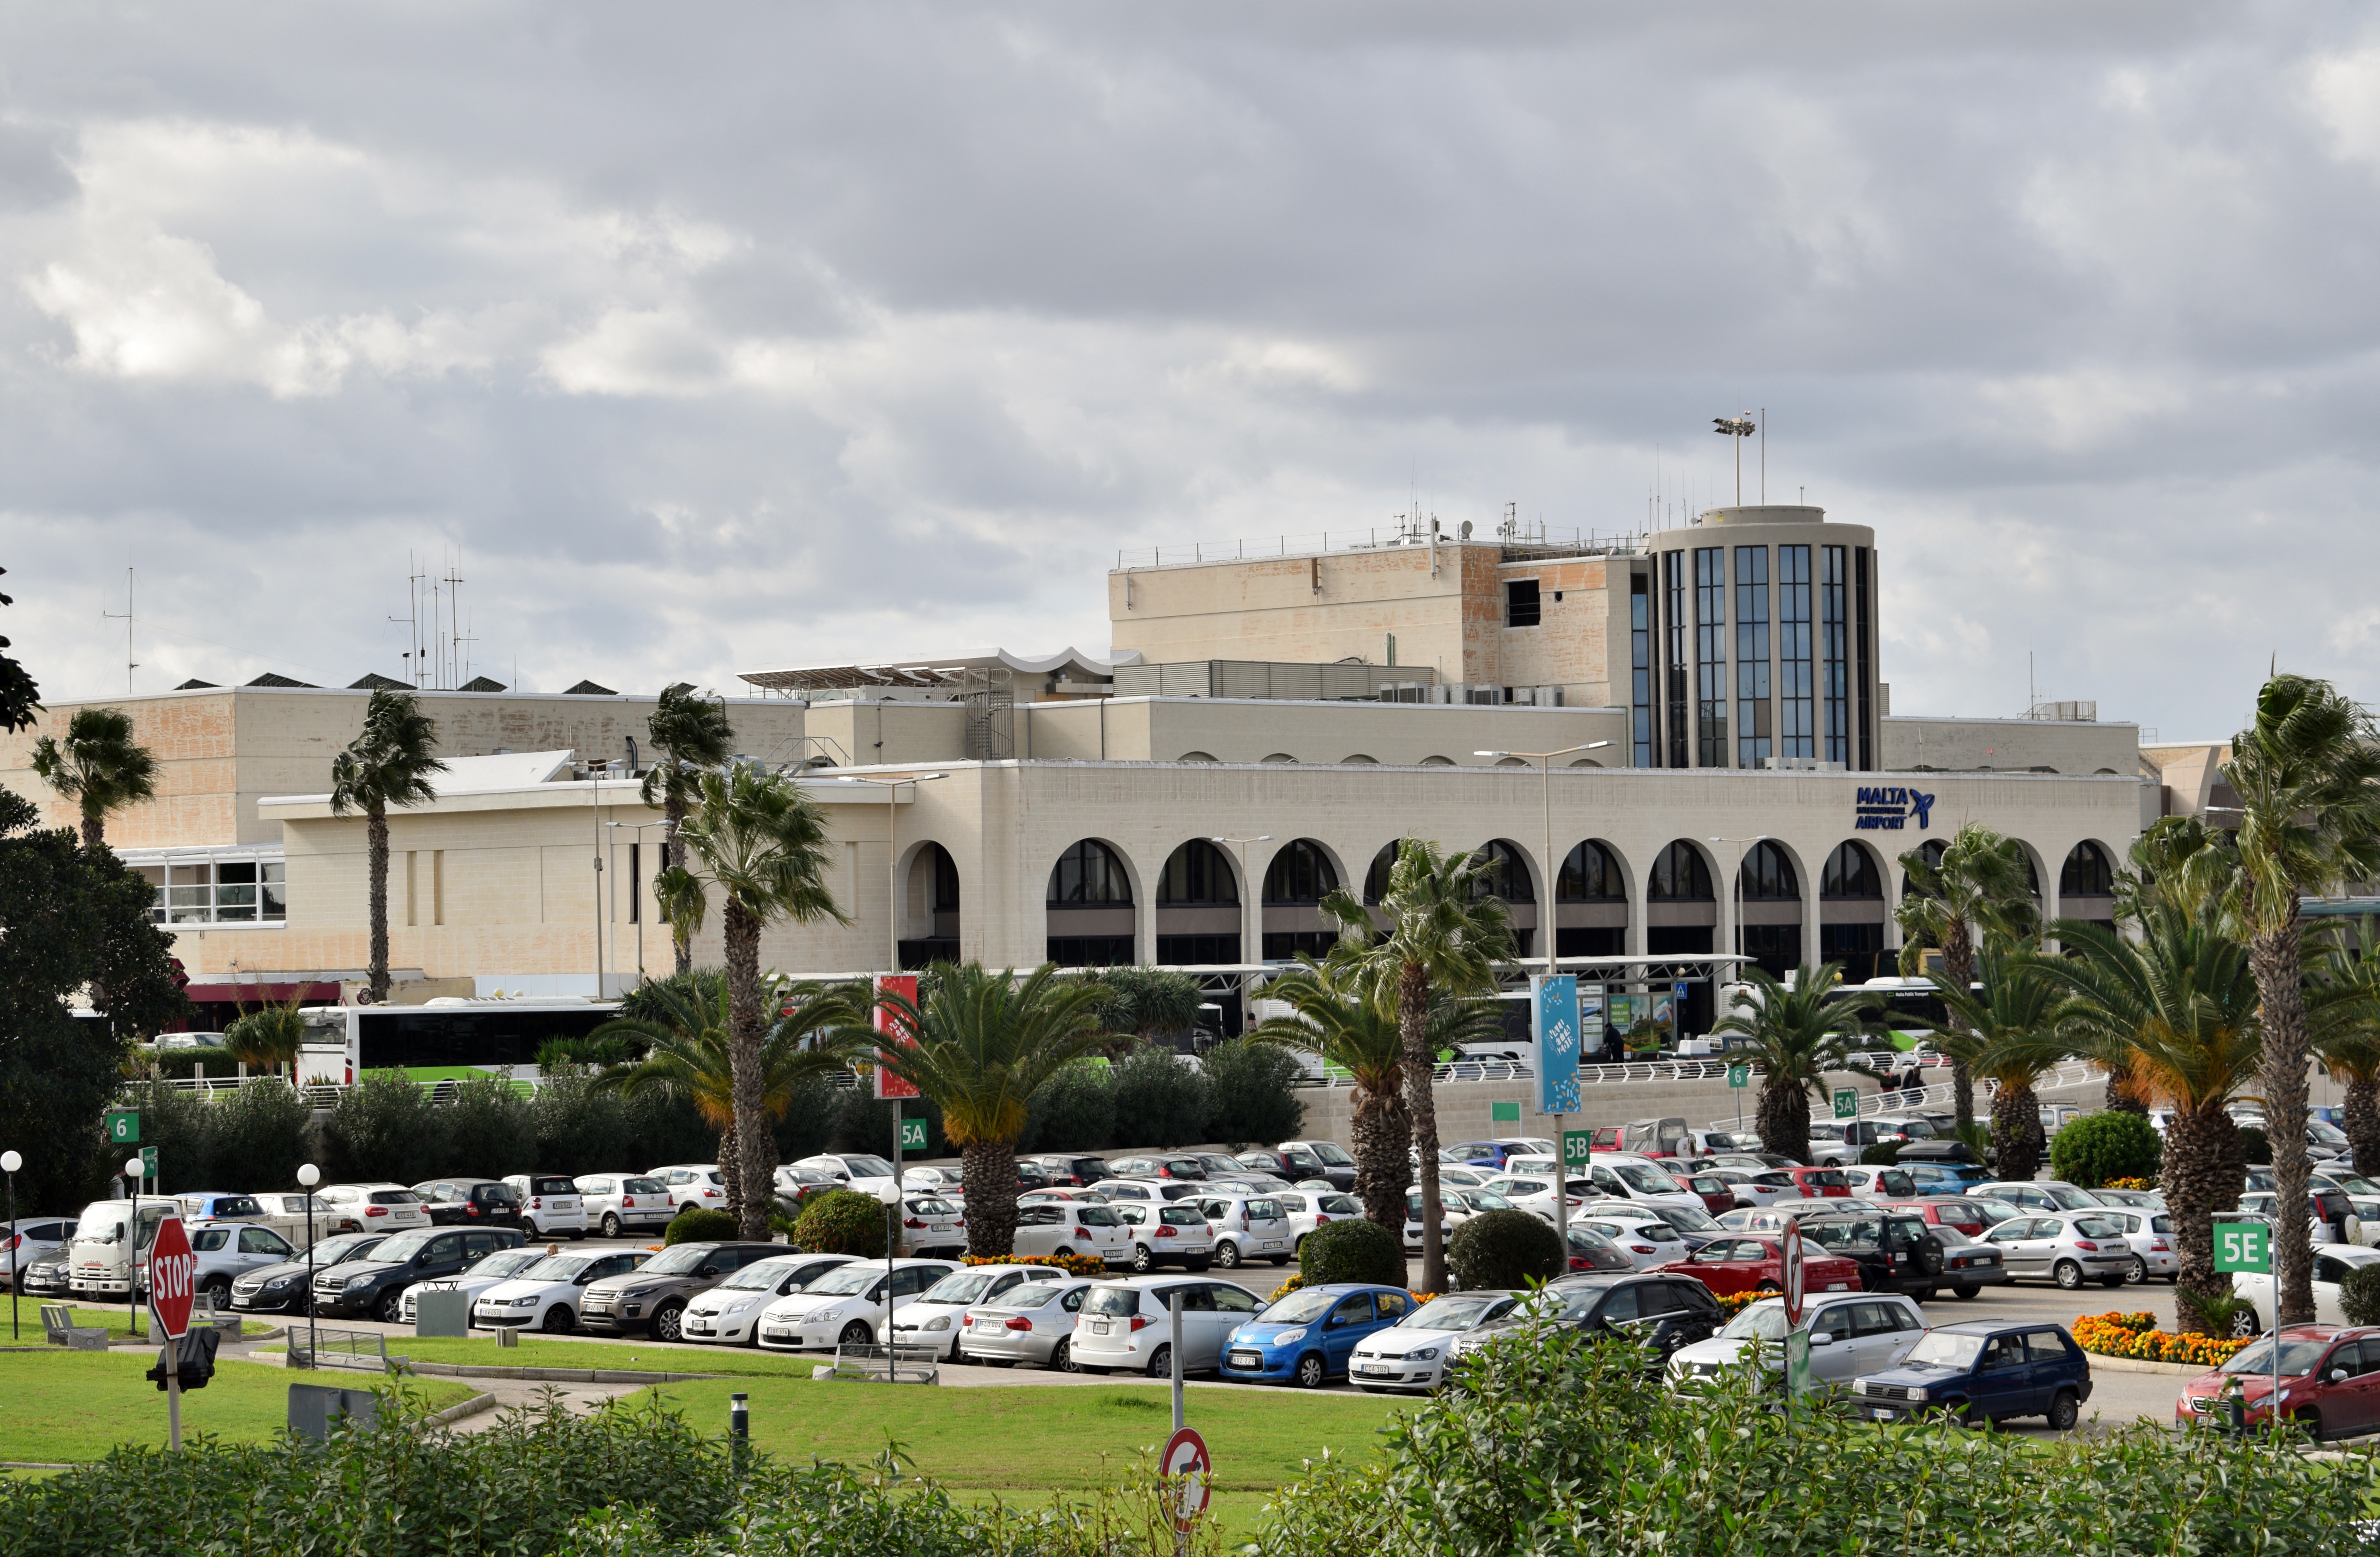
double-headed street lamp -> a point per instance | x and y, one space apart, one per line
891 787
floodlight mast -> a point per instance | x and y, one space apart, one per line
1736 428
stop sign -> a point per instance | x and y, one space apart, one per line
172 1268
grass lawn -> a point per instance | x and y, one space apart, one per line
71 1407
537 1352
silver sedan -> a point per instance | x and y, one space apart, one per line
1031 1323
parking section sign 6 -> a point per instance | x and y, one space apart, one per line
2243 1246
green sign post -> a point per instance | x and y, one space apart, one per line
1578 1148
913 1134
1739 1076
148 1162
1504 1113
1846 1102
1797 1364
123 1126
2243 1247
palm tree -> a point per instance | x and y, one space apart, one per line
1446 934
270 1035
2344 1014
691 733
760 843
691 1056
1978 893
2010 1039
1795 1036
985 1043
2309 823
99 766
388 764
2176 1009
1334 1018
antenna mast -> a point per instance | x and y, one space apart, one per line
130 664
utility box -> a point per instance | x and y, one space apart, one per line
441 1313
313 1406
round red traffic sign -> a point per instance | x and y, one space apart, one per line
1792 1245
1185 1464
172 1268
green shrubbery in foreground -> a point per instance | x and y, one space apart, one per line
1545 1447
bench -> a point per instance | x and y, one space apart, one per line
366 1349
204 1315
916 1363
58 1325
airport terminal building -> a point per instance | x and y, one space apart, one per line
1266 727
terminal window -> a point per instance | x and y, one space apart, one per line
1521 603
1753 736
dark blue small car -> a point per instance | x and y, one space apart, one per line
1308 1336
1982 1371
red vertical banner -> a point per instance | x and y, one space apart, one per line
889 1088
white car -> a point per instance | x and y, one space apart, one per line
546 1295
1536 1195
1030 1323
1414 1353
931 1226
501 1266
1049 1227
949 1182
2261 1202
729 1314
1851 1333
2156 1251
1167 1235
228 1250
373 1208
844 1307
853 1170
1625 1177
1413 1223
2331 1264
618 1203
1247 1227
1150 1191
2048 1196
1309 1209
1757 1188
549 1204
934 1319
31 1239
1127 1325
2069 1247
1644 1238
694 1186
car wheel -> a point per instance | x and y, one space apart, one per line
389 1307
2246 1324
2308 1420
1964 1290
856 1334
221 1287
2064 1411
528 1231
1310 1372
1769 1289
1061 1357
1227 1255
611 1225
1160 1363
558 1320
1970 1415
2137 1270
1142 1261
669 1323
2067 1275
1281 1260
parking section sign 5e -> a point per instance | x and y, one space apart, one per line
2243 1246
1553 1026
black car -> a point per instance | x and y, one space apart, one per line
1665 1312
1297 1166
1031 1175
281 1289
1080 1172
470 1202
376 1286
1895 1251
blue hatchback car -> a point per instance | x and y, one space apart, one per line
1982 1371
1308 1336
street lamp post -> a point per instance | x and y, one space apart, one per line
308 1177
636 905
892 788
10 1162
133 1170
1545 762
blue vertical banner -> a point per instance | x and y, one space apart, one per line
1553 1025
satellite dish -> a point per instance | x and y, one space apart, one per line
1465 531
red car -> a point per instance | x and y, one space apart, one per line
1741 1264
2330 1382
1822 1184
1718 1198
1959 1213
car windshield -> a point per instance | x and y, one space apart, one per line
868 1167
405 1246
1763 1320
973 1286
846 1282
1940 1349
2298 1358
506 1262
346 1247
682 1261
1689 1220
2326 1133
558 1268
1460 1311
1032 1295
758 1277
2068 1198
1300 1307
1644 1179
1331 1153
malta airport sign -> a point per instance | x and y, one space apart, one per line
1889 808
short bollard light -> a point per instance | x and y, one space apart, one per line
2235 1405
739 1431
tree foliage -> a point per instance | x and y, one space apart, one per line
1161 1101
1506 1249
2100 1148
1351 1250
1250 1094
98 766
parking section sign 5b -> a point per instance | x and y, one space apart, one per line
1553 1028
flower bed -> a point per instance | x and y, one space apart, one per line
2142 1183
1072 1264
2136 1335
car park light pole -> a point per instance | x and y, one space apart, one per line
10 1162
892 788
133 1168
308 1177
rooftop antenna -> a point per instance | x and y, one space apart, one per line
455 618
412 623
1764 456
130 664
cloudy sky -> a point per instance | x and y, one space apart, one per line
723 337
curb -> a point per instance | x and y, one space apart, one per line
474 1407
33 1465
556 1375
2143 1365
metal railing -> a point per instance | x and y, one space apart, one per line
1374 538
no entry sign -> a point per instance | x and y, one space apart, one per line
1792 1245
172 1268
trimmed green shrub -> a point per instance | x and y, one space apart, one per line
1159 1101
384 1127
1074 1110
180 1064
842 1221
1353 1250
578 1127
489 1130
2109 1145
1883 1154
1505 1249
2358 1295
701 1227
1249 1094
259 1136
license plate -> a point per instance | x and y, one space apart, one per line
1839 1287
697 1327
1881 1415
1373 1368
1276 1243
1247 1359
1099 1326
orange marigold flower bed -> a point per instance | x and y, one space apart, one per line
2136 1335
2129 1184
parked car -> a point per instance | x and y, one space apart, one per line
1981 1371
1622 1176
1946 1210
2137 1199
1821 1184
1716 1192
1663 1313
1309 1336
31 1239
933 1321
1336 1164
2157 1251
794 1185
2331 1383
1072 1227
694 1186
1533 1193
547 1295
1167 1235
1295 1164
2037 1194
1947 1178
1033 1322
384 1207
1151 1191
2069 1248
1176 1165
1590 1250
1416 1351
1310 1208
2330 1215
224 1251
1247 1227
551 1205
1413 1223
215 1206
861 1171
1879 1183
1750 1161
469 1202
1696 1228
1751 1188
1851 1333
1734 1264
294 1218
934 1181
618 1204
844 1307
476 1278
1061 1195
375 1284
652 1297
2331 1264
1126 1325
47 1277
1078 1171
932 1226
276 1289
729 1314
1644 1238
1896 1251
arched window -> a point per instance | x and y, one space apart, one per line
1090 873
1507 875
1929 851
1849 873
1766 876
1591 875
1359 760
2087 873
1196 757
946 881
1281 757
1679 874
1197 873
1300 873
1376 880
